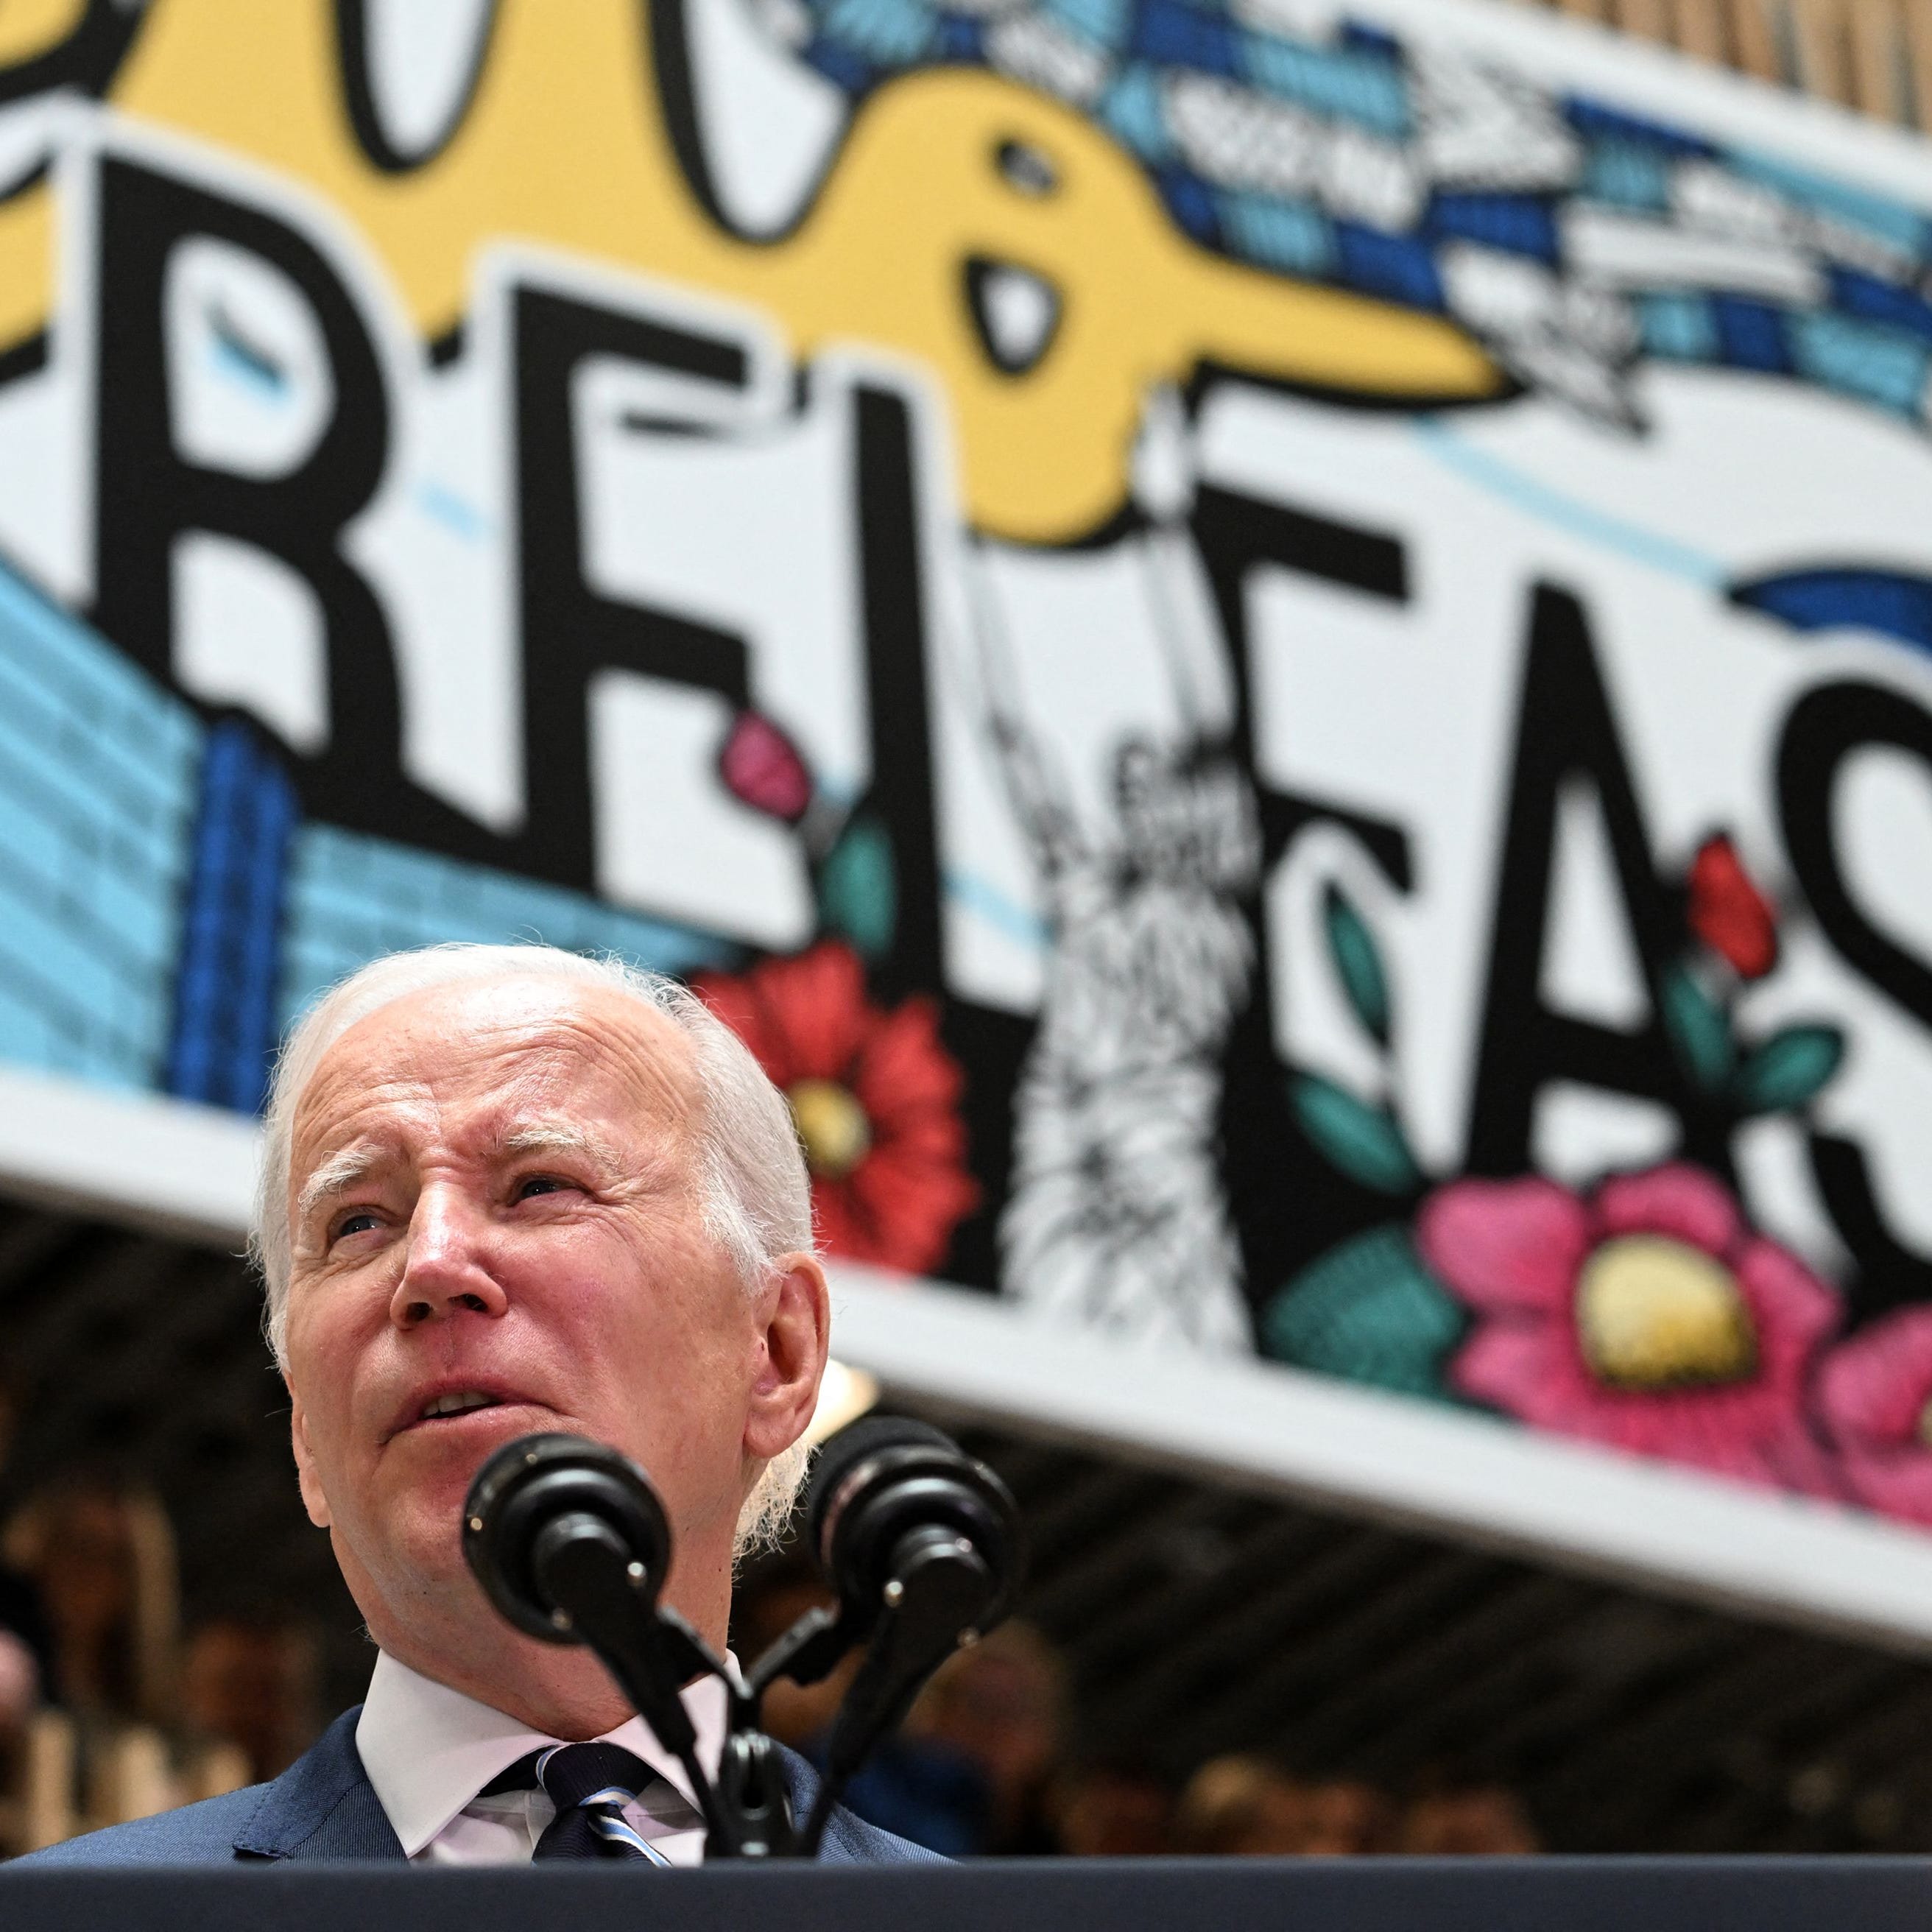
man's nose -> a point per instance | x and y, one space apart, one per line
445 1269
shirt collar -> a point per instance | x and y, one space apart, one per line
428 1750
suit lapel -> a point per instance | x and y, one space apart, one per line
802 1779
323 1808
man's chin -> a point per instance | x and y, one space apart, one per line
407 1571
424 1476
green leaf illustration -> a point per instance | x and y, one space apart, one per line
857 895
1369 1311
1699 1034
1364 1141
1788 1068
1357 962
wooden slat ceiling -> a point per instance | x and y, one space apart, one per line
1875 56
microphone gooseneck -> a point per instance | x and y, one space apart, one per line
570 1543
921 1542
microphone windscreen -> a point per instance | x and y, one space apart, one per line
839 1455
530 1484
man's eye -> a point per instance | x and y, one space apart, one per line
359 1223
539 1184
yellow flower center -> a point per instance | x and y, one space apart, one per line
1655 1313
832 1124
1925 1425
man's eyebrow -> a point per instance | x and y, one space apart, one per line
563 1137
336 1175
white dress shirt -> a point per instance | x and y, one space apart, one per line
429 1750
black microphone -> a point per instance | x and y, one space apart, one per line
570 1543
547 1513
887 1498
922 1544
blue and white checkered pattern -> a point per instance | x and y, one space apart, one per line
1571 238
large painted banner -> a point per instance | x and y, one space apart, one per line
1274 654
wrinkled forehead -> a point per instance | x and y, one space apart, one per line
478 1051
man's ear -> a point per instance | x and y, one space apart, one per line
313 1500
796 1338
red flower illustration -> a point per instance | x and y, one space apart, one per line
1728 913
1648 1316
875 1096
761 768
1875 1399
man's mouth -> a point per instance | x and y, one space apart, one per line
456 1403
442 1405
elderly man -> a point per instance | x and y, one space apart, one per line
507 1189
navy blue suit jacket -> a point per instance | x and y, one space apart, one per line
324 1808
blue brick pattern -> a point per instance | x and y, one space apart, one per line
1169 33
1351 83
1864 338
1294 236
1679 328
1872 300
1191 202
1598 120
1750 334
164 909
1400 268
1886 366
1886 221
885 30
351 898
1626 174
225 1028
1132 111
1104 22
1517 224
99 777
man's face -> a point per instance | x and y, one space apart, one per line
495 1191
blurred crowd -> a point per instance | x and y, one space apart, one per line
111 1709
988 1764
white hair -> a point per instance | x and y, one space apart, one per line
758 1191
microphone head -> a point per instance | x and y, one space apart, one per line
880 1479
538 1480
838 1455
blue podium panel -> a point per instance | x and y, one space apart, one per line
1174 1895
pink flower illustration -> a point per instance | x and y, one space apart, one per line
761 766
1875 1399
1647 1315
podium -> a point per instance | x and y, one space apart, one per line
1098 1895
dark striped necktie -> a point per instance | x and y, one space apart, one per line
590 1784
